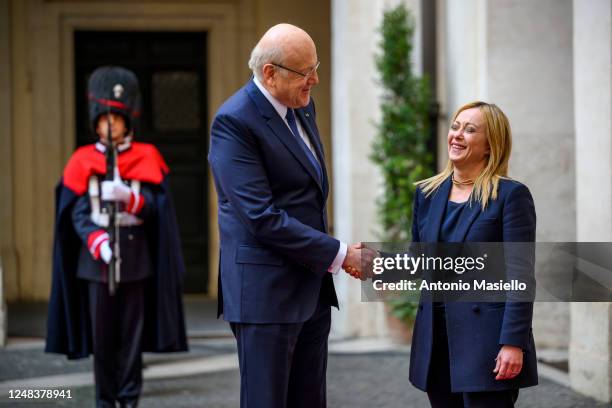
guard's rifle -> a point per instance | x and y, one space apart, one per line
112 209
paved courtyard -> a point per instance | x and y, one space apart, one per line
356 380
361 373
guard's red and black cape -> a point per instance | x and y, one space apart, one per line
68 324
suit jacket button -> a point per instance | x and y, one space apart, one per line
130 237
475 308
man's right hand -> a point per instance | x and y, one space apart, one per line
358 261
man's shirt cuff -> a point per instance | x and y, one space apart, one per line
339 260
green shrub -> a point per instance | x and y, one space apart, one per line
401 145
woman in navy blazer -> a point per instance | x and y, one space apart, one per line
474 354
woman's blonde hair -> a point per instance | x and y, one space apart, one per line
499 138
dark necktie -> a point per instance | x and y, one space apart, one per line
290 116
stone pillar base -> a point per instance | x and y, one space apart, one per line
589 353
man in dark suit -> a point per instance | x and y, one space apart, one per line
277 259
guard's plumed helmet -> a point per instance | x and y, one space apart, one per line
114 88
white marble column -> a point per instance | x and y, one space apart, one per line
591 329
518 55
530 77
464 60
357 182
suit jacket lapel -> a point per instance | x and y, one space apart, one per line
438 205
280 130
311 128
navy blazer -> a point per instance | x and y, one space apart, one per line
477 330
274 246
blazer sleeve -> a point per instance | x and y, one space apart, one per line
241 178
143 204
90 234
519 226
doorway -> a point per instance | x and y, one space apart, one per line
171 69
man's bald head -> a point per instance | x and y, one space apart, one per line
285 62
281 44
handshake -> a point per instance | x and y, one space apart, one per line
359 260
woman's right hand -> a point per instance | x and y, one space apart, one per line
509 362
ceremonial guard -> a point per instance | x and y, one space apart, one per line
117 263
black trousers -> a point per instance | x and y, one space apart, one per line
117 325
284 365
439 381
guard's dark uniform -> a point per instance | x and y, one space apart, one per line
146 312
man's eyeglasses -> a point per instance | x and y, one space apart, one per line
306 75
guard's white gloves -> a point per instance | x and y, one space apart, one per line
115 190
105 252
